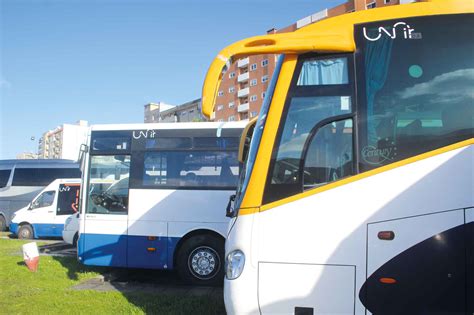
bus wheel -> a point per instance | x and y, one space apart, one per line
25 232
201 260
3 223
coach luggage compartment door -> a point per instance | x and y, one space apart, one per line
104 240
416 265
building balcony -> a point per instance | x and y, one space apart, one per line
243 108
243 92
243 62
243 77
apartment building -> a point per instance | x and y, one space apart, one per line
244 84
63 142
153 110
187 112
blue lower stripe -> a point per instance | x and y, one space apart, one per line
14 228
41 229
127 251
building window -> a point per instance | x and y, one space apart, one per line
220 107
263 95
386 1
264 78
253 82
231 89
220 93
231 104
253 98
231 75
371 5
253 67
253 114
264 62
231 118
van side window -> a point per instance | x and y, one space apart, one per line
46 199
68 199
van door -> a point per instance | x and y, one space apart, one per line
67 204
42 214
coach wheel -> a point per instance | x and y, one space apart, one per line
3 223
25 232
201 260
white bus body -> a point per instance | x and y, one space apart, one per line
46 214
21 180
156 196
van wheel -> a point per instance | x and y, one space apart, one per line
25 232
74 240
201 260
3 224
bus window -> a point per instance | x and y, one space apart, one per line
191 169
329 156
4 176
42 176
169 143
108 191
415 97
321 92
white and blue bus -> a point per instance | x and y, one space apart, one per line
155 196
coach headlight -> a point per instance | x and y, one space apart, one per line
235 262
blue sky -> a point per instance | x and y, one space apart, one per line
101 61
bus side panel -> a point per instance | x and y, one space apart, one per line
147 244
104 240
330 228
423 265
470 260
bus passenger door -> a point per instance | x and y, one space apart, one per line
104 232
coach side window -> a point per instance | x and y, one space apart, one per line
417 90
4 176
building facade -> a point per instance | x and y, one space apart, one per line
63 142
187 112
244 84
153 110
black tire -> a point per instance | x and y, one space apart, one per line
75 239
200 260
25 232
3 224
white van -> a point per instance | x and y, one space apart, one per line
46 214
71 229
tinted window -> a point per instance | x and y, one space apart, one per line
68 199
195 169
416 90
223 143
42 176
111 141
169 143
4 176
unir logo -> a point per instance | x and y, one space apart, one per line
148 134
404 28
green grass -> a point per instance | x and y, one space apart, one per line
48 291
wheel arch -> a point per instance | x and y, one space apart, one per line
191 234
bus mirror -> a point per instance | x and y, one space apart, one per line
230 213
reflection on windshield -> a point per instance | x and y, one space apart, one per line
257 135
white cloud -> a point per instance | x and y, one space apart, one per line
448 87
4 84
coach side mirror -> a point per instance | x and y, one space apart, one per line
229 212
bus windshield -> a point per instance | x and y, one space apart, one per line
257 135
